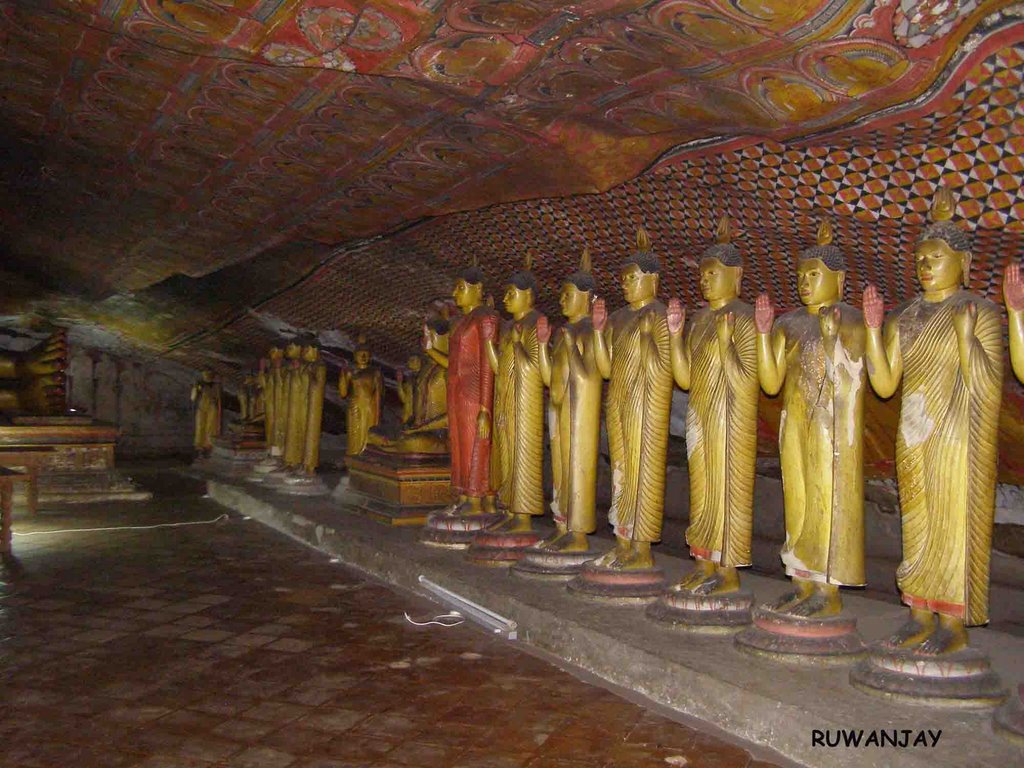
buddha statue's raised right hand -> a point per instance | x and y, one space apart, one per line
676 317
874 307
1013 289
599 315
764 313
543 330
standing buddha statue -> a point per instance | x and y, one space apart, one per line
517 456
1013 296
632 350
574 423
303 479
815 356
717 363
270 381
206 402
470 398
945 346
363 388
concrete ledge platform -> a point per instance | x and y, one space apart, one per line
776 705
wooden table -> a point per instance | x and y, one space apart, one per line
30 457
8 477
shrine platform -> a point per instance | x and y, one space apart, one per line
770 704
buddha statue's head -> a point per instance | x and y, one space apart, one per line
821 271
293 350
414 363
578 290
521 291
362 352
310 353
943 255
207 375
469 288
276 355
640 272
721 268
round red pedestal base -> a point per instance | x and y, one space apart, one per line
618 585
782 636
703 613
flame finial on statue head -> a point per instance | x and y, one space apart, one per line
524 279
824 250
942 226
582 277
723 250
643 257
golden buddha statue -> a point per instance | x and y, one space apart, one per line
363 389
250 400
308 384
717 363
206 402
632 350
32 383
517 455
407 387
570 371
298 408
945 346
282 389
427 430
815 355
271 381
1013 295
265 382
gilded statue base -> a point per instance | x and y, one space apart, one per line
399 489
238 448
712 614
546 564
817 640
618 585
453 528
500 548
1008 720
964 679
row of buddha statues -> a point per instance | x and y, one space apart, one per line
944 347
478 392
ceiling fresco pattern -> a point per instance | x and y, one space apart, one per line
199 134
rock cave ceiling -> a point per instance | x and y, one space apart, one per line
200 176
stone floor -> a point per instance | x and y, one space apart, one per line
230 645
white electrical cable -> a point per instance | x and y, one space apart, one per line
443 620
124 527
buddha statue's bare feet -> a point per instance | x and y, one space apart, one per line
609 558
722 581
635 559
552 543
512 524
572 541
816 605
692 579
787 601
949 636
913 632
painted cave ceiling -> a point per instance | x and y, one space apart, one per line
200 176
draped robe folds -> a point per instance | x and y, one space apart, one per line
207 419
314 416
575 426
721 436
266 380
518 452
429 393
470 388
281 377
946 449
637 412
298 407
821 445
363 407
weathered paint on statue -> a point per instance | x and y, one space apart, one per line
632 351
1013 295
815 356
945 345
717 363
518 449
363 388
575 382
206 400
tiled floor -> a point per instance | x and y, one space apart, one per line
229 645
